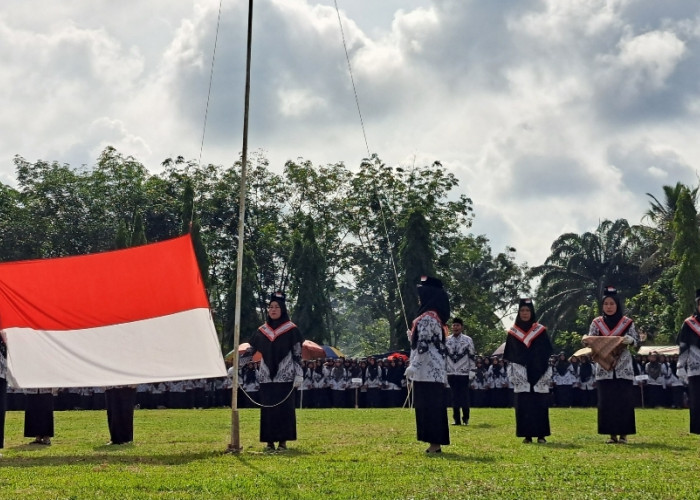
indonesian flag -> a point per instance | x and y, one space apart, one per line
124 317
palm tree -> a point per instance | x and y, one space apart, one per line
578 269
655 241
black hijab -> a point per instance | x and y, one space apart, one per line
432 298
612 320
536 357
275 350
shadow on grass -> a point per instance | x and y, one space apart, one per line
657 446
102 458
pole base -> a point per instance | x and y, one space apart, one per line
233 449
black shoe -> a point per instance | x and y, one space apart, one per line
456 423
270 447
541 440
527 440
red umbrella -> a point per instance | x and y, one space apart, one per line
311 350
397 355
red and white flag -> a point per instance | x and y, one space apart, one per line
128 316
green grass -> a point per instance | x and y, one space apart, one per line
351 453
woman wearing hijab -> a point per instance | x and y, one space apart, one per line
689 361
373 382
564 380
615 386
586 382
428 367
279 341
527 350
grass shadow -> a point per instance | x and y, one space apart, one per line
101 457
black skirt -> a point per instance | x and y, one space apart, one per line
38 415
278 423
431 412
120 414
3 409
616 407
694 403
531 414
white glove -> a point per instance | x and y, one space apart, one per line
410 373
408 334
297 381
627 340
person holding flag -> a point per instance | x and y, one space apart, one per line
280 343
3 388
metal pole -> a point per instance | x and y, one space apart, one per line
235 444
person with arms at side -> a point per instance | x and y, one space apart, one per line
460 355
615 381
527 351
279 341
428 369
689 362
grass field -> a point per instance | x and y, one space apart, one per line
351 454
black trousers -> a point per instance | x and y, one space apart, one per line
459 388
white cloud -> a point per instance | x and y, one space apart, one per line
554 115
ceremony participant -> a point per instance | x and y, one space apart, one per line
3 388
460 353
527 351
279 341
120 402
658 373
586 382
689 362
564 379
373 382
38 415
427 370
614 372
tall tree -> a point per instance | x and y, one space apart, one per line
309 284
686 252
416 257
578 269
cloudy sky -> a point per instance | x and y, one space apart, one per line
553 114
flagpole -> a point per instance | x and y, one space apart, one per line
235 444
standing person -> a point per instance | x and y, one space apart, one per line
3 388
120 402
373 382
428 368
658 374
564 379
689 362
527 350
460 355
586 382
38 415
279 341
615 383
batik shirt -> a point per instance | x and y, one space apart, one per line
460 351
623 368
428 358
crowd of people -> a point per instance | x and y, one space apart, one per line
442 371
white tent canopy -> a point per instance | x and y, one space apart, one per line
660 349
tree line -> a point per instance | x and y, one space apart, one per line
348 245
